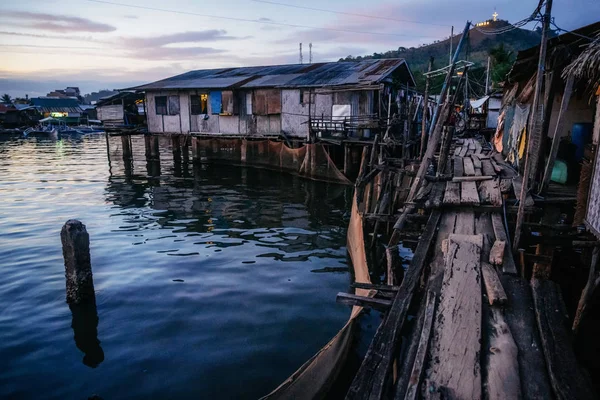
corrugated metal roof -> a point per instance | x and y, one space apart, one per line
56 105
295 75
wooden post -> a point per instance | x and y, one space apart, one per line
564 104
78 267
154 148
185 149
176 145
347 159
588 291
425 108
126 144
534 129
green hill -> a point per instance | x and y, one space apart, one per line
479 46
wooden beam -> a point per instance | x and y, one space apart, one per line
371 286
560 123
472 178
566 377
588 291
373 378
502 381
493 287
508 263
416 374
368 302
468 193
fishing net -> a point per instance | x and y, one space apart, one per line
310 161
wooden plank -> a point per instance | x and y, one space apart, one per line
520 317
566 377
456 340
472 178
517 186
458 167
371 286
437 194
468 193
497 252
469 167
373 376
478 172
452 193
419 364
465 223
476 161
489 192
508 263
487 168
493 287
457 150
463 151
503 381
362 301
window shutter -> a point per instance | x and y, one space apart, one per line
215 102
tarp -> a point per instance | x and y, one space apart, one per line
478 103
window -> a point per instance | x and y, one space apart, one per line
199 104
174 105
161 105
216 106
306 97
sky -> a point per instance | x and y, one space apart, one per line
106 44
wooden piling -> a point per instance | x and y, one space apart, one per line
126 144
425 109
78 268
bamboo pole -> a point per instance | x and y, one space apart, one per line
564 104
533 131
425 108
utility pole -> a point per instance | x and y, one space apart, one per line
451 36
534 130
300 53
487 77
425 108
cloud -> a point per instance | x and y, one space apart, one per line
130 16
173 53
210 35
54 23
46 36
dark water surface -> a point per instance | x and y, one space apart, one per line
244 241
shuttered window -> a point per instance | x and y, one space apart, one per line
161 105
216 106
227 103
174 105
267 101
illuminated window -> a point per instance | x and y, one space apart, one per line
198 104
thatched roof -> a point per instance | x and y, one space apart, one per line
586 67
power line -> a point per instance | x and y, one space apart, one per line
251 20
344 13
571 32
516 25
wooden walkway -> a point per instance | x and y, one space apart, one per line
480 331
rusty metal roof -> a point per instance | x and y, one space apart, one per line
366 72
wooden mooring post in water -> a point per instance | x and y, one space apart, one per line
78 267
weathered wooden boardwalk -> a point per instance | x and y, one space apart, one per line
480 330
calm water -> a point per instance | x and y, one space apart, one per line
243 241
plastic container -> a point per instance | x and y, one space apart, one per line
581 135
559 172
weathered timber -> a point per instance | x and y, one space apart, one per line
469 167
502 381
476 161
463 151
517 186
395 273
483 226
493 287
487 168
373 376
468 193
506 185
489 193
452 194
472 178
457 373
457 150
508 263
520 317
437 193
362 301
371 286
423 347
458 167
497 252
425 109
78 266
588 291
465 223
567 379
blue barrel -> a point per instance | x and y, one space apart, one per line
581 134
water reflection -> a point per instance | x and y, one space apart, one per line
85 331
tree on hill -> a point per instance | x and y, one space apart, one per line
5 98
502 61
